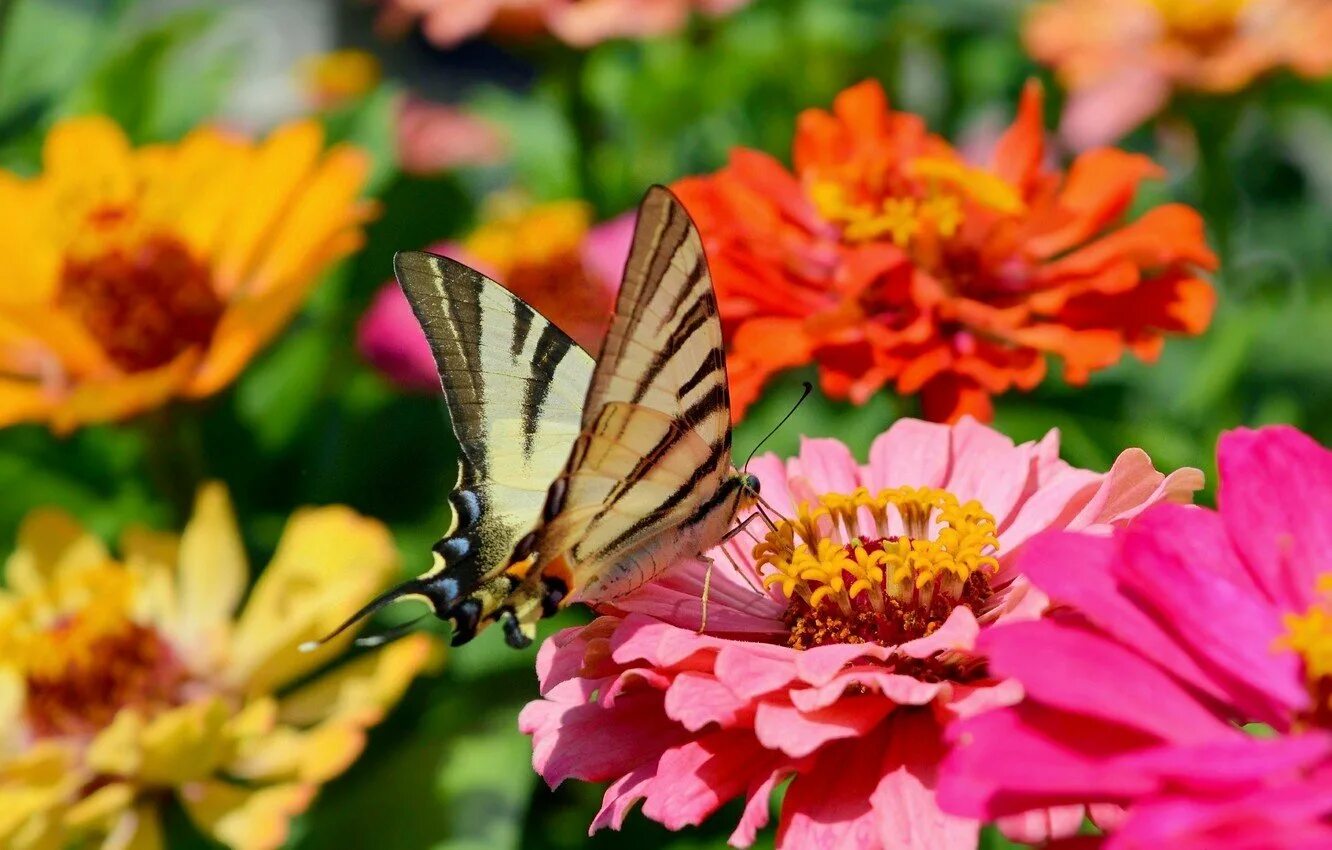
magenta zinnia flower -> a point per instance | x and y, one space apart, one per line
839 648
1170 637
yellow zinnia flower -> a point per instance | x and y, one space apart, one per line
133 276
123 680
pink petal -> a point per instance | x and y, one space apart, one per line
1012 760
771 472
734 607
621 796
989 468
1131 485
570 741
970 700
893 687
642 638
606 249
1230 629
1275 496
781 726
392 341
1102 114
1052 660
910 452
829 807
1079 570
906 798
1041 825
754 669
697 777
755 816
1054 503
958 632
823 466
698 699
820 665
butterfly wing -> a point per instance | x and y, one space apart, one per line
515 385
650 478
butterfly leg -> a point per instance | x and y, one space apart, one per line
707 588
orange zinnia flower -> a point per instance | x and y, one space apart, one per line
886 258
1121 59
134 276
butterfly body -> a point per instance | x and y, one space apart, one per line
579 478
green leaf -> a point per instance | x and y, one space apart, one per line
370 123
152 86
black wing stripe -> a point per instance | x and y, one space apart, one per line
552 345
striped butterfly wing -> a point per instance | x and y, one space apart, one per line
515 385
649 480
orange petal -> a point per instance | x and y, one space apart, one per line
113 399
1017 157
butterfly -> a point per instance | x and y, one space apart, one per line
579 478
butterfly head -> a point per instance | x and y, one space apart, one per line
749 489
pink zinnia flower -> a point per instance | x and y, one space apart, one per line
581 23
1170 636
434 137
838 649
546 254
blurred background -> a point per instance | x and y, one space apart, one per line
471 122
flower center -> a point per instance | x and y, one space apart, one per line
1200 17
146 298
884 568
83 658
1310 634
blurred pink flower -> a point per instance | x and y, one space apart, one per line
1170 636
1121 60
433 137
836 651
546 254
580 23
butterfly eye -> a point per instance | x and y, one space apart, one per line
751 483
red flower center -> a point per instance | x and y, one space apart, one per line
146 300
847 587
82 656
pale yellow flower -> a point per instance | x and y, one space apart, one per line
125 680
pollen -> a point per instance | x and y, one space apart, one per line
881 568
1310 635
145 298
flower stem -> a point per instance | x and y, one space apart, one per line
583 122
1214 126
173 455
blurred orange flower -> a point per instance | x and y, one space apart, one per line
133 276
887 258
125 680
581 23
333 78
1122 59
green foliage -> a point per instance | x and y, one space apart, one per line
308 422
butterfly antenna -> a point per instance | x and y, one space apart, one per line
809 388
388 597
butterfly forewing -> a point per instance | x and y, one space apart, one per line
645 482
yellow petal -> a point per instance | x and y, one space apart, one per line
89 161
12 696
243 818
34 786
329 561
324 209
363 688
213 568
286 754
23 401
50 542
272 176
116 750
258 717
100 809
185 743
150 556
27 242
137 829
121 397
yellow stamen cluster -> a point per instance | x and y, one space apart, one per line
936 210
1310 634
820 555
